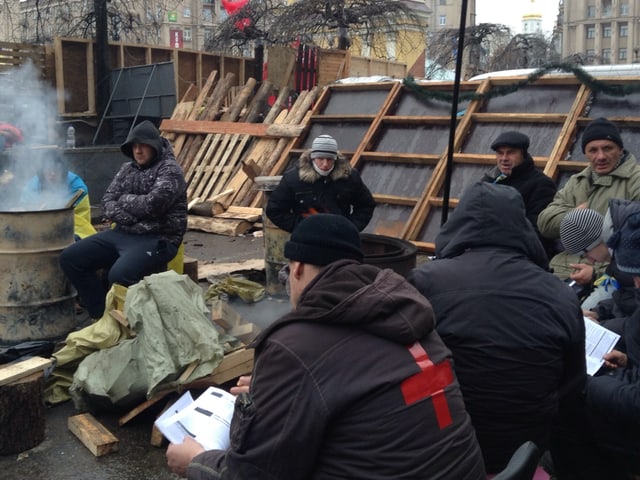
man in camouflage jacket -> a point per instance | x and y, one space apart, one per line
147 205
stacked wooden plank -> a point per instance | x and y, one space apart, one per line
222 149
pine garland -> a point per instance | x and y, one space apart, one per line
594 85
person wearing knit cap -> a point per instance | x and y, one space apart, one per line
581 232
350 384
515 168
322 182
612 172
602 437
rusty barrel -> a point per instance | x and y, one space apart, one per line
274 238
36 300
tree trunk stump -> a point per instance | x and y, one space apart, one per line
22 420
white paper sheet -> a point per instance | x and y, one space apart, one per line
598 342
206 420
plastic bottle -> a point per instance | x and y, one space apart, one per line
71 137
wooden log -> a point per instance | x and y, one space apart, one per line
202 209
221 226
22 419
249 217
215 269
93 434
190 268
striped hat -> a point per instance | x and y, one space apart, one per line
581 230
324 146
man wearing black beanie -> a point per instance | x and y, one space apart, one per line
353 383
612 172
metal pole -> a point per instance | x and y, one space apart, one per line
454 113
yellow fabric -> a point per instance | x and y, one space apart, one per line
82 218
104 333
177 264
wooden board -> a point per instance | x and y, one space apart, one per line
233 365
93 434
16 371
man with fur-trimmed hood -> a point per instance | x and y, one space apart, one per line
324 182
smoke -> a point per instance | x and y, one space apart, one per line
28 103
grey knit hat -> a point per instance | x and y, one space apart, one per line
324 146
581 230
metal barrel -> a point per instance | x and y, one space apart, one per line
389 252
274 239
36 300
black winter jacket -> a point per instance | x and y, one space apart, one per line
617 396
302 191
336 392
150 199
515 330
537 191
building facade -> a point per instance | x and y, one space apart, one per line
445 14
602 32
184 24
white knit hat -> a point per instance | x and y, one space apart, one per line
581 230
324 146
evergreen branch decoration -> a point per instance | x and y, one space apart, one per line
594 85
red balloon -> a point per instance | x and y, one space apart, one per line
243 23
232 6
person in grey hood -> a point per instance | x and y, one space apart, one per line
146 203
353 383
516 331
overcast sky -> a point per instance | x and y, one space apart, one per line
510 12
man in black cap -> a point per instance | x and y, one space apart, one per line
515 167
612 172
354 382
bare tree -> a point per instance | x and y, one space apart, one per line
271 22
480 43
525 51
490 47
136 21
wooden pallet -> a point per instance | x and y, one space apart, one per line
221 153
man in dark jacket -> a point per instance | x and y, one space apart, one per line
324 182
353 383
515 330
147 203
601 437
515 168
